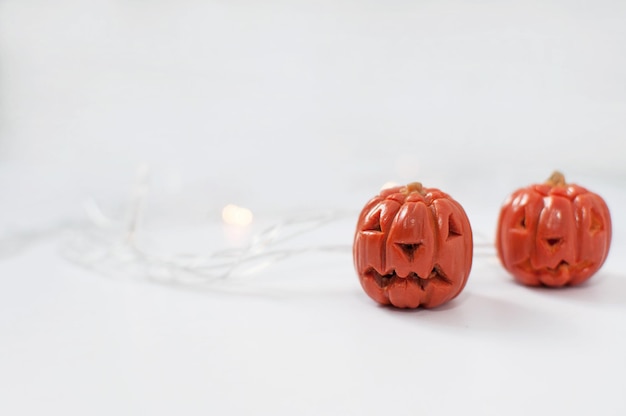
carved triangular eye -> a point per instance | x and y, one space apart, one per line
596 223
409 249
373 223
454 229
554 243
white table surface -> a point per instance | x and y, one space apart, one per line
291 108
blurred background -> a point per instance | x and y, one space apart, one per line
280 105
291 106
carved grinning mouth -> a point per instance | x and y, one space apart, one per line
563 266
528 268
384 280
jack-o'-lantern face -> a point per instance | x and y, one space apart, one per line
553 234
412 247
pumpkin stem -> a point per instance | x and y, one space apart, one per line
557 179
415 187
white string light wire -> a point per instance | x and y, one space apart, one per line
106 248
111 247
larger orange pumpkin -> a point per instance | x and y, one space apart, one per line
553 234
412 247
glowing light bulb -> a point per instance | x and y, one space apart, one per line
235 215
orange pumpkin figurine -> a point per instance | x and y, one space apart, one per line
413 246
553 234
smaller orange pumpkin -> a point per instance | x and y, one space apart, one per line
412 247
553 234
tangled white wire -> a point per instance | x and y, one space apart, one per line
107 248
118 254
110 247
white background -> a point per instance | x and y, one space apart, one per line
285 107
